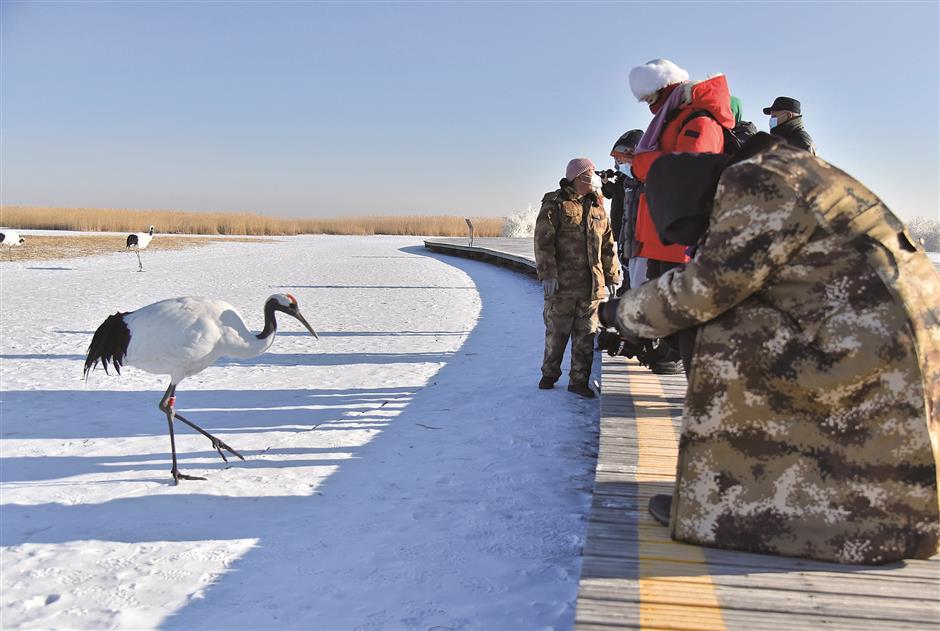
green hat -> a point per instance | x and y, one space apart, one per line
736 109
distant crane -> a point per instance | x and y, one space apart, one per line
180 337
11 239
469 225
139 241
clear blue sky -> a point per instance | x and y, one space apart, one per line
323 109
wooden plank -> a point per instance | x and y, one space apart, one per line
606 558
595 614
769 600
798 582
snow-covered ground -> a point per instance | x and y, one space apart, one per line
402 473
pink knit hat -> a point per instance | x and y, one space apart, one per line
578 166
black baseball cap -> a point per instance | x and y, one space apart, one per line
784 103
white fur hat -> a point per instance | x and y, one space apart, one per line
653 76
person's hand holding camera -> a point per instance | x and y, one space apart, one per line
607 315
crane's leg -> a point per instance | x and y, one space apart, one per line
216 443
141 265
166 404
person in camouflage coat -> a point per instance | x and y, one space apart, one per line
811 423
575 260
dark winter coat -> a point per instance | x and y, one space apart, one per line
613 190
624 194
795 134
744 130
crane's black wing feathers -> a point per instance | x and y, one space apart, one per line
109 344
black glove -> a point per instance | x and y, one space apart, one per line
611 342
607 312
549 287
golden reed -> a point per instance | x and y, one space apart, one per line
180 222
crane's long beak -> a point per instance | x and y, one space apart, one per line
303 321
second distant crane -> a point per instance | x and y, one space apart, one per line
10 239
139 241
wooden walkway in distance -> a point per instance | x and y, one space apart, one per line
511 252
635 577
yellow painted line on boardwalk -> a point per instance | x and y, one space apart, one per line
664 603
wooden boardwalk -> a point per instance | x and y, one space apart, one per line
635 577
516 253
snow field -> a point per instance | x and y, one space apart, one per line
403 472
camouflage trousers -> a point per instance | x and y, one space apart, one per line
568 317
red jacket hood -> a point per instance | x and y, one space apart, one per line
712 95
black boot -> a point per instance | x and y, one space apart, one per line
666 368
581 389
546 383
660 506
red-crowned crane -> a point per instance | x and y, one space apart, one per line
10 239
180 337
139 241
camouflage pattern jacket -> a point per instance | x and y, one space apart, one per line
574 244
812 418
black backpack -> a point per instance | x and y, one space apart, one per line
734 138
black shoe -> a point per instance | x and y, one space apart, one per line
546 383
581 389
660 506
666 368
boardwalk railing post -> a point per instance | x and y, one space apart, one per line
470 225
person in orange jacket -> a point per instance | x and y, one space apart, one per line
688 117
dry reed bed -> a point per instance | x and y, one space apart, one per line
48 247
180 222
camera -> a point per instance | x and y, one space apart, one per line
647 352
610 174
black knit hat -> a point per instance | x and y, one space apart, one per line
785 104
628 142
